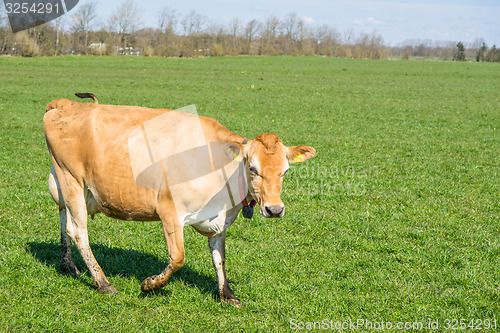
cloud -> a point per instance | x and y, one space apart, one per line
308 20
369 21
373 21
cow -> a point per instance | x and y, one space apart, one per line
108 159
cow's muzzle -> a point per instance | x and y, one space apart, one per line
272 210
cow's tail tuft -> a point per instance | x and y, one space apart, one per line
87 95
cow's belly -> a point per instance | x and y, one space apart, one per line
137 206
217 223
127 214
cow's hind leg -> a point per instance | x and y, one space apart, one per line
76 228
67 264
217 246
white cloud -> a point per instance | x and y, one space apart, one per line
401 19
373 21
369 21
308 20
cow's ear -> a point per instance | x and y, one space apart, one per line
234 150
299 153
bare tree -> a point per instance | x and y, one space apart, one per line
83 20
327 40
6 36
235 27
193 23
269 33
167 19
235 32
293 27
476 49
165 35
58 23
125 20
348 36
273 27
250 32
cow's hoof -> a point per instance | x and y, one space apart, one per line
232 301
149 284
69 268
108 289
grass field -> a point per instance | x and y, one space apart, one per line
397 218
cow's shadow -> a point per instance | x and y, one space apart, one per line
124 263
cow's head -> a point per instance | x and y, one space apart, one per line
267 162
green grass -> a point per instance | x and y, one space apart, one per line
396 219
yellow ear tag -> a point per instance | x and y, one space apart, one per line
237 157
298 158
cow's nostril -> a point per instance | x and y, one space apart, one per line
274 211
269 211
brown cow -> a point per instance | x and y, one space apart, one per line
136 163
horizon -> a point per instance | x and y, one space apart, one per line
396 21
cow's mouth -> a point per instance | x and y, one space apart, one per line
272 211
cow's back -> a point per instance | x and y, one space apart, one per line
90 142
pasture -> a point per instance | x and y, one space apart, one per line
397 218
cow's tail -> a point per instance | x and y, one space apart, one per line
87 95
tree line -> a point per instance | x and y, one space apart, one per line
194 35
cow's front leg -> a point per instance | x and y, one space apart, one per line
217 246
175 243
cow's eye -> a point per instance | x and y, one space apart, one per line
253 170
284 173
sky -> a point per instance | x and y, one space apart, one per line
395 20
